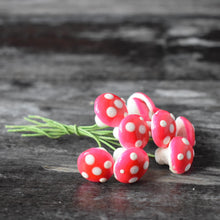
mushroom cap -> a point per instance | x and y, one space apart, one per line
163 128
95 164
133 132
185 128
146 99
131 165
181 155
110 109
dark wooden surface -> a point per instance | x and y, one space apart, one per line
56 58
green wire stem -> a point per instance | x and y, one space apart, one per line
42 126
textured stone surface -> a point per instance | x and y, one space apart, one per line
56 59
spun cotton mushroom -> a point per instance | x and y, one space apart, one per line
133 132
109 109
163 128
178 155
185 129
131 165
137 106
140 103
95 164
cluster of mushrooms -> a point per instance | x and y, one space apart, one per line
133 124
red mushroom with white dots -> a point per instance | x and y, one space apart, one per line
131 165
109 109
133 132
185 129
140 103
178 155
163 128
95 164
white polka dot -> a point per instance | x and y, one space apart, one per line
133 180
96 171
180 156
133 156
142 129
172 116
108 96
118 103
85 175
108 164
122 171
188 155
185 141
102 180
138 143
141 118
146 165
187 167
166 140
134 169
163 123
90 159
111 112
130 126
171 128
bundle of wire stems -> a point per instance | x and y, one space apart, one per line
42 126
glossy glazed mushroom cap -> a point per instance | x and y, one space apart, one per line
131 165
95 164
140 103
137 106
110 109
163 128
185 128
133 132
178 155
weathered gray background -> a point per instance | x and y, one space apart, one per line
56 57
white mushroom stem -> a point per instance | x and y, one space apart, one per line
117 153
132 107
162 156
115 133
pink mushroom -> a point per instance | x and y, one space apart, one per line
185 129
137 106
139 103
131 165
133 132
163 128
109 109
95 164
178 155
